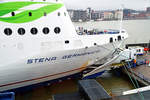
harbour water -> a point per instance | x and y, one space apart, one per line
139 32
113 84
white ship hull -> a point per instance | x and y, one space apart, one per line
39 43
62 63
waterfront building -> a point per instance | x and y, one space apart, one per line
70 12
95 15
79 15
117 15
148 15
108 15
89 11
126 13
148 10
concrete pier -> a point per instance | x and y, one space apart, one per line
142 72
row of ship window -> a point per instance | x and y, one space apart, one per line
45 14
118 38
34 31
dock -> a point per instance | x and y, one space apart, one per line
87 90
141 72
92 90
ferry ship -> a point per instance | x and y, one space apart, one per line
38 43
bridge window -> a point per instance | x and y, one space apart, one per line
30 14
57 30
122 31
46 30
13 13
21 31
8 31
111 40
119 38
58 13
45 14
34 31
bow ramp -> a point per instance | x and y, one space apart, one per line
93 71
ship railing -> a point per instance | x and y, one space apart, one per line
93 32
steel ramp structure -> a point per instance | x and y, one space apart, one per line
98 70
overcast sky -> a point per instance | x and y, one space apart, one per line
106 4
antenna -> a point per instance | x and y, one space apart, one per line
121 19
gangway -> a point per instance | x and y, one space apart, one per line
98 70
117 56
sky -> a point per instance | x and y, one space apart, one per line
107 4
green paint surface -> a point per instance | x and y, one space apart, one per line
24 17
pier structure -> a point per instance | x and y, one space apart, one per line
141 72
92 90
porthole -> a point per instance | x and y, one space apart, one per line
8 31
57 30
95 43
58 13
13 13
34 31
46 30
21 31
30 14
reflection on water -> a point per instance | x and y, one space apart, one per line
113 85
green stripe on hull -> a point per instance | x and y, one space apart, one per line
24 17
8 7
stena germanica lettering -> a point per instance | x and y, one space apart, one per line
41 60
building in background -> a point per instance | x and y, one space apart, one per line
95 15
108 15
70 12
89 14
148 10
79 15
89 11
126 13
117 15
